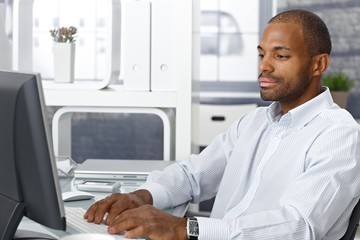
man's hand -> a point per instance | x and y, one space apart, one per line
150 222
134 214
115 204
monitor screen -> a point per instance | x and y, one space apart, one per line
29 184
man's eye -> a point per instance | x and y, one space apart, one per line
281 56
261 56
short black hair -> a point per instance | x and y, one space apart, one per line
316 34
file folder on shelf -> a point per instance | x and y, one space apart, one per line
163 45
136 31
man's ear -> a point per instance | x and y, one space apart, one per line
321 63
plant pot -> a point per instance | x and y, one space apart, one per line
64 62
340 98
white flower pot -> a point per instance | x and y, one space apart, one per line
64 62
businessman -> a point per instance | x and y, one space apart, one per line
287 171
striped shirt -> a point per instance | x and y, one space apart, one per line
291 176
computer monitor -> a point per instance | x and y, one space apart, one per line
29 184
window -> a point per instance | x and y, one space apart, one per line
90 17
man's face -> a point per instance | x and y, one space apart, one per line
285 66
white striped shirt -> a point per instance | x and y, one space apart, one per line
291 176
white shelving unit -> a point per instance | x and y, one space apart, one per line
110 97
186 54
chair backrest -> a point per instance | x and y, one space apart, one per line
353 223
352 104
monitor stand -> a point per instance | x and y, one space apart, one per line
12 212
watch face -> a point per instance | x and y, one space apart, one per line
193 227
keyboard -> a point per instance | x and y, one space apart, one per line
76 223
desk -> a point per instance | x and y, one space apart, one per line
65 183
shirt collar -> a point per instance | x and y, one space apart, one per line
303 114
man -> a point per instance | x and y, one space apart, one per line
287 171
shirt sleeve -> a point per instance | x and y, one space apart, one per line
194 179
187 181
279 224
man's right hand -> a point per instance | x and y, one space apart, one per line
115 204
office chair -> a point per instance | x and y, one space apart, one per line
353 223
352 104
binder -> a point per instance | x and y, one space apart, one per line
136 23
163 45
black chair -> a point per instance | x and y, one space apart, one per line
352 104
353 223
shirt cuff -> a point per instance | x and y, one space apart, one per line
213 229
155 189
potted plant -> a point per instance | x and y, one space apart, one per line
64 53
64 34
339 84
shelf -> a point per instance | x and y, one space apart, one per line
109 97
185 50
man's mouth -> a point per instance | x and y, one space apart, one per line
266 82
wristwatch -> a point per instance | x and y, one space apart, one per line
192 228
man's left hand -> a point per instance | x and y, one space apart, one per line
150 222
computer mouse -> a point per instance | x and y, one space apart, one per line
76 196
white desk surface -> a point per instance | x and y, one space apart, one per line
65 184
27 224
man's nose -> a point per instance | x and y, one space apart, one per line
265 65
